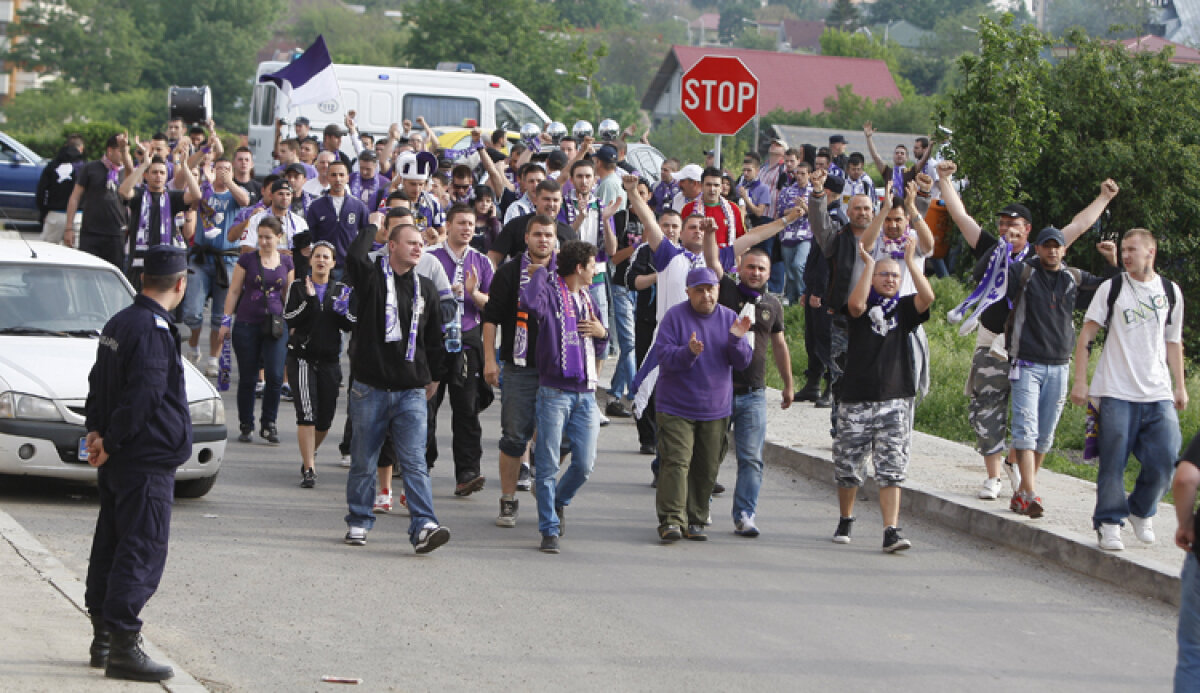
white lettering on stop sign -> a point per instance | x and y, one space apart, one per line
729 96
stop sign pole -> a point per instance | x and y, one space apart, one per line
719 95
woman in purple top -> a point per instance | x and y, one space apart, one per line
257 293
699 345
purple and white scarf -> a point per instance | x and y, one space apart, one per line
521 331
882 312
574 349
167 233
894 247
992 287
113 172
364 189
391 312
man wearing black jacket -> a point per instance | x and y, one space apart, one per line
55 186
398 359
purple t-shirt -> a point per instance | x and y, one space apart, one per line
699 388
262 289
473 262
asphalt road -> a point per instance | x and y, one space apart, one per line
260 593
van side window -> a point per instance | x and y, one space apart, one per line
266 104
511 115
441 110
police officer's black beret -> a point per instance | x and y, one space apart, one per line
165 260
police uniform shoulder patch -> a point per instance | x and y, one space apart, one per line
160 323
766 315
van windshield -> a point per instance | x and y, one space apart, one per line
511 115
441 110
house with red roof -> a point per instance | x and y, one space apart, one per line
791 81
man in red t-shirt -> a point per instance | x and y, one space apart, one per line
726 215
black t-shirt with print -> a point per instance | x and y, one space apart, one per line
104 212
879 367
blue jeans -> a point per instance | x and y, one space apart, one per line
1037 400
254 351
622 379
561 412
1150 432
518 408
1187 667
795 257
375 414
200 287
749 433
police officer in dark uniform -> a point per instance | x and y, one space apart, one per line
139 431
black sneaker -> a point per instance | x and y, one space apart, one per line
648 449
247 434
670 534
617 410
842 535
285 393
308 477
525 479
718 488
696 533
560 510
269 433
893 542
430 537
549 544
508 513
825 401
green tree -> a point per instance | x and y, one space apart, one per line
855 45
1096 17
596 13
922 13
848 111
843 15
354 39
119 45
734 18
523 40
999 114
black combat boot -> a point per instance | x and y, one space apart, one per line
825 401
101 640
810 392
127 660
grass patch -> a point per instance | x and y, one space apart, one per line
943 413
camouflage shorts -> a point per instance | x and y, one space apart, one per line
987 410
879 430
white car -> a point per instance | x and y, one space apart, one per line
54 301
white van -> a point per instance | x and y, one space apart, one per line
381 96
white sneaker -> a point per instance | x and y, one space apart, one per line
1014 476
991 489
346 461
1143 528
1110 537
212 368
356 536
745 526
191 353
383 502
604 421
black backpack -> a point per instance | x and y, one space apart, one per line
1115 290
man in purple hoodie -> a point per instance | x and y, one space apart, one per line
571 337
700 343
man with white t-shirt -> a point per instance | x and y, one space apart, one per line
1139 383
280 195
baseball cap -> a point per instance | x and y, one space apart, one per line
1015 211
835 139
296 168
606 154
690 172
302 121
1051 234
165 260
701 275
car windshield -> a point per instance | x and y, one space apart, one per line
65 299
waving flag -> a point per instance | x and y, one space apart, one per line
309 78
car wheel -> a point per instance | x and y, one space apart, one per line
194 488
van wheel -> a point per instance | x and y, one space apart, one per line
194 488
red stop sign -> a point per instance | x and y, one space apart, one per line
719 95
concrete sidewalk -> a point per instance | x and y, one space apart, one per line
943 480
44 629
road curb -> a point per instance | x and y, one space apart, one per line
51 571
1119 568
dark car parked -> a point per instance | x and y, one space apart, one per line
20 169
